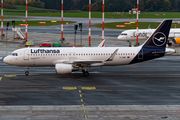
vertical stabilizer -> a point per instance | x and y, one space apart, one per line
160 37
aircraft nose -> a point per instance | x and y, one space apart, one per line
119 37
6 60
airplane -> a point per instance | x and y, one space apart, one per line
143 34
69 59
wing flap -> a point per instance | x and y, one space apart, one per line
83 62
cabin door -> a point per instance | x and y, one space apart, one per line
140 54
26 55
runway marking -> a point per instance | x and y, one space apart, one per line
69 88
82 103
10 75
165 113
0 78
74 88
88 88
86 116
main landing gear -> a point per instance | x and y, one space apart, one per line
130 45
85 73
27 71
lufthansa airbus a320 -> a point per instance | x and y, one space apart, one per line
67 59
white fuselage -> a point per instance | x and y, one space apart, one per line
68 59
41 57
143 34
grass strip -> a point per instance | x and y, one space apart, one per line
36 23
142 25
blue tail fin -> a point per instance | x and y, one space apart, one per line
155 46
160 37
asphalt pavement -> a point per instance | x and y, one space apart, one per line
148 90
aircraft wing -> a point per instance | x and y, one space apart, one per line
88 62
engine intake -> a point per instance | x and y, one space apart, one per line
63 68
176 40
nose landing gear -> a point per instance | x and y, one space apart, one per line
27 71
85 73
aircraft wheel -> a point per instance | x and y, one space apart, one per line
83 71
86 73
26 73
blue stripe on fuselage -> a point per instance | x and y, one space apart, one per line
147 53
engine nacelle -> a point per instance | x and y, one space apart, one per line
176 40
63 68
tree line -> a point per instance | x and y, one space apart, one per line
10 4
115 5
110 5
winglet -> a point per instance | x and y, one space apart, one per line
112 56
102 43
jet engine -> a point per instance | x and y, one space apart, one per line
176 40
63 68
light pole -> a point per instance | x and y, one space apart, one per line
2 19
26 20
13 22
137 43
7 25
62 21
80 26
103 23
75 28
89 23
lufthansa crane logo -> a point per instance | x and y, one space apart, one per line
159 39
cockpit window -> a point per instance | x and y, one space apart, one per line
14 54
123 33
